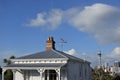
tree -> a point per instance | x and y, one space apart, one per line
8 73
100 74
7 61
117 77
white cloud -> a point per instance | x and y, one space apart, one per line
51 20
71 52
109 57
115 53
112 56
101 21
91 58
39 21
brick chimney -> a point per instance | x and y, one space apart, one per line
50 43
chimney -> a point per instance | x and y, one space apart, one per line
50 43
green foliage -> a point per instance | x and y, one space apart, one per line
12 57
8 73
99 74
7 61
117 77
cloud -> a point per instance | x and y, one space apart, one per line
39 21
71 52
109 57
101 21
51 20
115 53
84 56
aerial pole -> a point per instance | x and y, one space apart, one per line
62 42
100 65
99 56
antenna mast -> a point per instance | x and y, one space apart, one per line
62 42
99 55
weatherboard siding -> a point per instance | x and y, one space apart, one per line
78 71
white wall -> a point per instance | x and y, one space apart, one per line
34 75
31 75
73 71
78 71
18 76
28 75
115 69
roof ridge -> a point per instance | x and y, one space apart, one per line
59 53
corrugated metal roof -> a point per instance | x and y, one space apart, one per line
50 54
70 56
38 65
42 55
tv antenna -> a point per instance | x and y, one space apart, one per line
62 42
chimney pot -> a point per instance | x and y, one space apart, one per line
50 43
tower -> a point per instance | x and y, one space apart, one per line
99 55
50 43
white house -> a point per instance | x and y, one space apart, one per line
49 65
115 69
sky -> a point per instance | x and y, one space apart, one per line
87 27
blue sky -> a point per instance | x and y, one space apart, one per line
87 25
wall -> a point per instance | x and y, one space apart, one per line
18 76
78 71
115 70
63 74
34 75
28 75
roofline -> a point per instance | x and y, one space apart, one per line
7 67
73 56
84 61
60 54
40 59
31 68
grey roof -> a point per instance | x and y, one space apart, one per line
37 65
43 55
70 56
50 54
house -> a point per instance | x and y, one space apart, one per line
115 69
50 64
